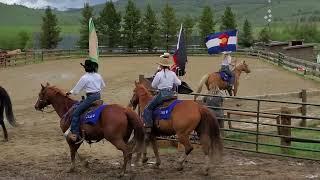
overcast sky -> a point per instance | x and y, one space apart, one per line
60 4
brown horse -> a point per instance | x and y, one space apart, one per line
186 117
116 124
214 82
5 105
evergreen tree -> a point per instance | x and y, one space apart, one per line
150 33
246 37
206 24
188 24
50 35
24 37
228 20
87 13
132 25
169 26
109 25
264 35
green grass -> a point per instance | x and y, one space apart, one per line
276 141
9 35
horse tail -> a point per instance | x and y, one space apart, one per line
136 123
209 126
7 106
203 80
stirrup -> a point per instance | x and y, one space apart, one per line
80 140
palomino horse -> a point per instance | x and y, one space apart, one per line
186 117
5 104
214 82
115 124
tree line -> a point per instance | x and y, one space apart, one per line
136 29
142 29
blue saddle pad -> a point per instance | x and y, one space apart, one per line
93 116
164 113
224 76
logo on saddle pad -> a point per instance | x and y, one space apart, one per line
164 113
224 76
93 115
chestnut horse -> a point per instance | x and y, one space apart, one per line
5 105
116 124
186 117
214 82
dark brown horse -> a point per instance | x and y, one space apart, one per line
186 117
214 82
5 105
116 124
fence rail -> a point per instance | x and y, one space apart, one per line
33 56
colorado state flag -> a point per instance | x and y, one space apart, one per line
222 41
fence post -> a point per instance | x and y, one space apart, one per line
41 55
258 122
285 131
303 96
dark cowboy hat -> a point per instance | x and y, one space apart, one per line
89 65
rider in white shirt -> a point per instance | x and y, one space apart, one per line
91 83
163 81
227 67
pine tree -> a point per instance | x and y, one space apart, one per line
109 25
206 24
50 35
228 20
246 37
169 26
188 24
150 33
132 25
24 37
87 13
264 35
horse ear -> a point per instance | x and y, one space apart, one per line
244 62
136 83
48 84
42 86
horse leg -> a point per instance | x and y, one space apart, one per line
5 133
184 139
155 150
144 157
121 145
205 142
84 162
73 150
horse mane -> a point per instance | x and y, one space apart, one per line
57 90
147 92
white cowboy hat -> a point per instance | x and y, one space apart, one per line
164 60
165 55
226 52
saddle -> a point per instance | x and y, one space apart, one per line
163 111
224 76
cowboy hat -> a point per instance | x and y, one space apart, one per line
164 60
165 55
226 52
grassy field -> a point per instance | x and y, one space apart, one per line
9 35
276 141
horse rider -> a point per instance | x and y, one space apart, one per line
164 82
92 83
227 67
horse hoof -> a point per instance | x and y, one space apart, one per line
145 160
71 170
180 168
85 164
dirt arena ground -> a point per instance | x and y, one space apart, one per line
37 149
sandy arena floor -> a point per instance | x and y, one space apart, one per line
37 150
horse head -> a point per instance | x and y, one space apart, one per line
139 92
47 95
244 67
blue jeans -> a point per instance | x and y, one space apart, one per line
229 73
85 104
156 101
